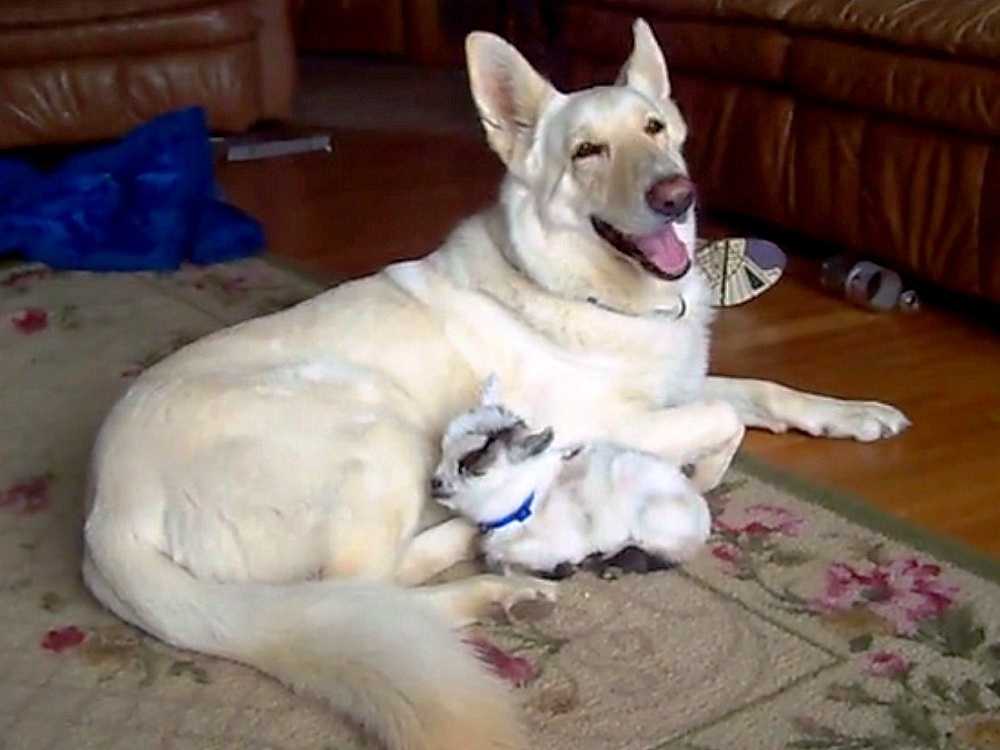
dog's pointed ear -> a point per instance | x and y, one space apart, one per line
530 444
646 69
509 94
490 395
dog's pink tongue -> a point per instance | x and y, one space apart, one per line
664 250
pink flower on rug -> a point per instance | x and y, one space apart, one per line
228 281
29 496
759 519
727 553
234 285
514 669
904 592
30 320
21 279
886 664
809 725
60 639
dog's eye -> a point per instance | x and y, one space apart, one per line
587 149
654 126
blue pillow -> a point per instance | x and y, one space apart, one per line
148 202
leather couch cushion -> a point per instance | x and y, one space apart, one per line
42 12
62 103
792 44
857 182
223 23
966 28
748 52
873 127
918 198
955 94
83 70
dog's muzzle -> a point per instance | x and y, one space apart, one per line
661 252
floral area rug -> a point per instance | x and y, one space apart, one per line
797 628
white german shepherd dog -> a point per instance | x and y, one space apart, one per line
261 495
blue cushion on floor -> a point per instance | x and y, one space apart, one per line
148 202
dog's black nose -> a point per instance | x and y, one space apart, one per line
437 487
671 197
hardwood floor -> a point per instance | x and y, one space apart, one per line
384 197
379 197
941 369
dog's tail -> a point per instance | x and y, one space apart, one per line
375 652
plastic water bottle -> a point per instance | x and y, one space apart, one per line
867 284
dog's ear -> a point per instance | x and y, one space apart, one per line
509 94
646 69
531 444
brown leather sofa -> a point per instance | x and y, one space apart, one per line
872 124
81 70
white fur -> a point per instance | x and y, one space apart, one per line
261 494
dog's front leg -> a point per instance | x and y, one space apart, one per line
436 549
776 407
704 434
483 597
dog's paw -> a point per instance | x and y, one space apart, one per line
528 599
864 421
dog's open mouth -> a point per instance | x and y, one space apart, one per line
661 253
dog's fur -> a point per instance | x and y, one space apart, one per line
541 508
261 494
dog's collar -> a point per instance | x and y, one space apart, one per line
675 315
522 514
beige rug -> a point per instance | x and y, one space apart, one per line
797 628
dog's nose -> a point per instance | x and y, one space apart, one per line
671 197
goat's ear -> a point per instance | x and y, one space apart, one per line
530 444
646 69
572 451
509 94
490 394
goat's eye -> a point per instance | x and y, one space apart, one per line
654 126
587 149
475 463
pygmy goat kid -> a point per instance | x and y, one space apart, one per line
540 507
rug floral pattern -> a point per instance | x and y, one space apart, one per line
796 628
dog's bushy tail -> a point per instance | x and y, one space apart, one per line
376 652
